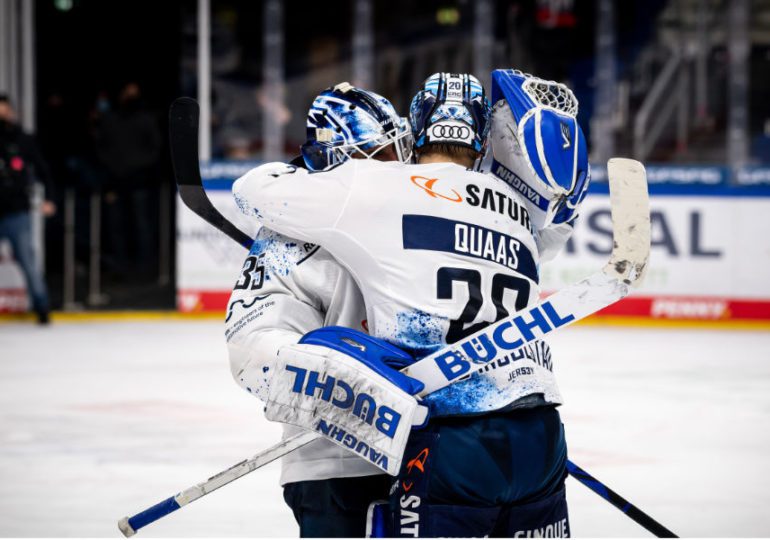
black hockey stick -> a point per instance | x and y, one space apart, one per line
183 132
619 502
184 136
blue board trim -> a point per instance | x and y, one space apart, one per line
678 190
219 184
665 180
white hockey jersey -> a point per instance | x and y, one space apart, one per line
438 252
285 289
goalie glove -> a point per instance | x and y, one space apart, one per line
342 384
537 145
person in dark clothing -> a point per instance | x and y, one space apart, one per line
21 164
129 145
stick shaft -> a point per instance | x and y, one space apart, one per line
619 502
130 525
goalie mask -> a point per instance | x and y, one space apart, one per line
537 145
451 109
345 120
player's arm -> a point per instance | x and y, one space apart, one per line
292 200
261 321
283 290
336 381
552 239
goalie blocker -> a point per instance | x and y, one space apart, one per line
341 383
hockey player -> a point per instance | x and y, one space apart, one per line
439 251
289 287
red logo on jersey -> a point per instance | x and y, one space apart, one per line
416 463
426 184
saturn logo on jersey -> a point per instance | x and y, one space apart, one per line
427 185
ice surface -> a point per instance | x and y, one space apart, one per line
100 420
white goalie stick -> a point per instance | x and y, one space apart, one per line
629 203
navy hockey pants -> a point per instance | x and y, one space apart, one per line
336 507
490 475
500 475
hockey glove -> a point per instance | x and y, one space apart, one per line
537 145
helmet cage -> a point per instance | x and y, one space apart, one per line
322 156
328 140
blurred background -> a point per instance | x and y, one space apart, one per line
679 84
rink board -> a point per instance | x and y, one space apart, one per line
13 296
710 257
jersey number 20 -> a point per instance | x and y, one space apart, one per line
500 282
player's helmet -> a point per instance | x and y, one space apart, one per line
344 120
451 109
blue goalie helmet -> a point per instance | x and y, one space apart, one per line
452 109
345 120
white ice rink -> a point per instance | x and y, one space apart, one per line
100 420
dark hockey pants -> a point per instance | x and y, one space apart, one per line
498 475
336 507
492 475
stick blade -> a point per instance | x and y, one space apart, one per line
183 117
630 205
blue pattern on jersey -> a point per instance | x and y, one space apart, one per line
419 332
280 254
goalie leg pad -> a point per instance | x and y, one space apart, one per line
345 401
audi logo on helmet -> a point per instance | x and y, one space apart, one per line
451 132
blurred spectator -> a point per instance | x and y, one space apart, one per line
128 145
20 166
760 146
